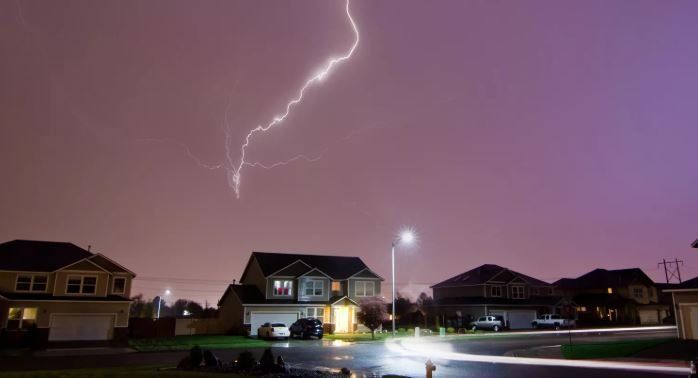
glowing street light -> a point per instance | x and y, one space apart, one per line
407 237
167 292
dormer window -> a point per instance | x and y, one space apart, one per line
517 292
81 285
313 288
496 291
282 288
364 289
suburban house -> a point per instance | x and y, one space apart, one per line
622 296
493 290
281 287
685 301
54 292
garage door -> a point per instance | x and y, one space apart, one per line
259 318
520 319
648 317
66 327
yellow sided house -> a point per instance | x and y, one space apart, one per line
282 287
58 293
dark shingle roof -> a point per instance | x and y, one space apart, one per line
39 256
602 278
689 284
530 301
484 273
337 267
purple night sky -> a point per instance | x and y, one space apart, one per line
549 137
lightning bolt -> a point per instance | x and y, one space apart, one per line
235 168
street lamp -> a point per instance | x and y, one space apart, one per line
406 237
167 292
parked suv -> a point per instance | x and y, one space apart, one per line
493 322
307 327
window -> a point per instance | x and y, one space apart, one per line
364 289
119 285
312 288
336 286
316 312
517 292
282 288
609 290
496 291
81 285
638 292
31 283
19 317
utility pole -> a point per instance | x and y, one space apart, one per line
671 269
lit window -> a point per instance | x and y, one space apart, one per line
19 317
496 291
316 312
610 290
364 289
119 285
313 288
336 286
282 288
517 292
81 285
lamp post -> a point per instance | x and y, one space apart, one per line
406 237
167 292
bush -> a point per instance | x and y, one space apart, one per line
267 360
402 330
246 360
210 359
195 356
410 330
450 330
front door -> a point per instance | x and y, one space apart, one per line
341 319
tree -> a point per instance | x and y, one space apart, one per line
195 309
425 305
372 314
141 308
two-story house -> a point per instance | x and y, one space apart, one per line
53 292
493 290
281 287
622 296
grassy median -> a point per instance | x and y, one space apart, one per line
159 344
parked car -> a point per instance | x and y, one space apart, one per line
273 331
306 328
493 322
552 321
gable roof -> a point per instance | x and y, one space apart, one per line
484 273
337 267
602 278
691 284
49 256
39 256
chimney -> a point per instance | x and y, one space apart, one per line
89 247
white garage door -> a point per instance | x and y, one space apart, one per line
520 319
66 327
259 318
648 317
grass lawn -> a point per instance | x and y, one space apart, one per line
204 341
149 371
609 349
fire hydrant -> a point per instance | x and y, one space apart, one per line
430 368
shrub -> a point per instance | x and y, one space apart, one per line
210 359
267 360
402 330
195 356
246 360
450 330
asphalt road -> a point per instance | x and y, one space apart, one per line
376 359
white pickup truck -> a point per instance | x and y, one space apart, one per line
552 321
